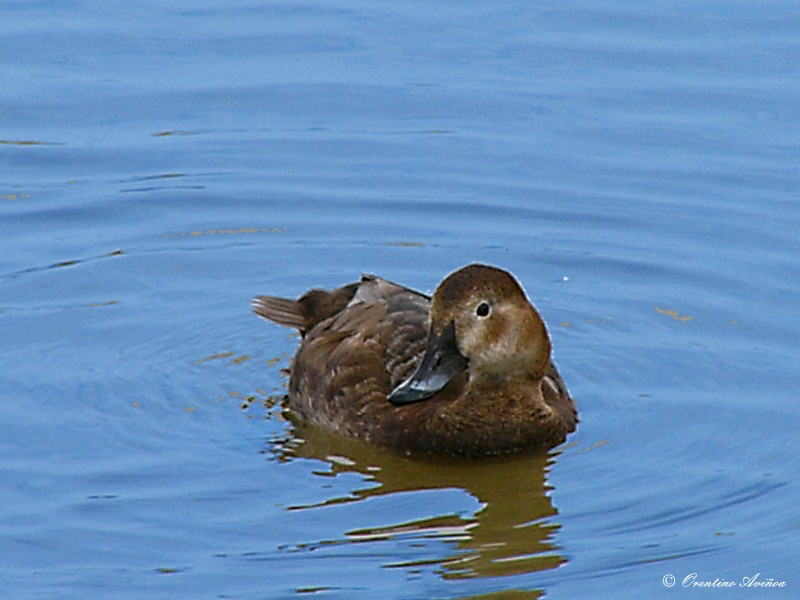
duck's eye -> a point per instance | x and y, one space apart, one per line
483 309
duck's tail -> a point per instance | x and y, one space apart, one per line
313 307
283 311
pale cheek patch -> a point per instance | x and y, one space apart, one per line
488 344
468 341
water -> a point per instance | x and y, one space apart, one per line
160 163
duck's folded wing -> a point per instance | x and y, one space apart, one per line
373 288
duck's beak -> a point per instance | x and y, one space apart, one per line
440 364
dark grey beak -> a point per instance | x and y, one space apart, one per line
440 364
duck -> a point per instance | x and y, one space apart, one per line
467 371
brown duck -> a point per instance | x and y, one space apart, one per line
465 372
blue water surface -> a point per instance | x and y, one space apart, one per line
634 164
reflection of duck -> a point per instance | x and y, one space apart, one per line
510 534
466 372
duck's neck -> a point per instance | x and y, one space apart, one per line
510 397
503 413
520 384
525 367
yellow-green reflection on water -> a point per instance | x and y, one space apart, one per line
511 534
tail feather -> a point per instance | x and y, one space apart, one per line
311 308
283 311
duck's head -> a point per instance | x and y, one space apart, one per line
482 321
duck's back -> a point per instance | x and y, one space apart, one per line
359 342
